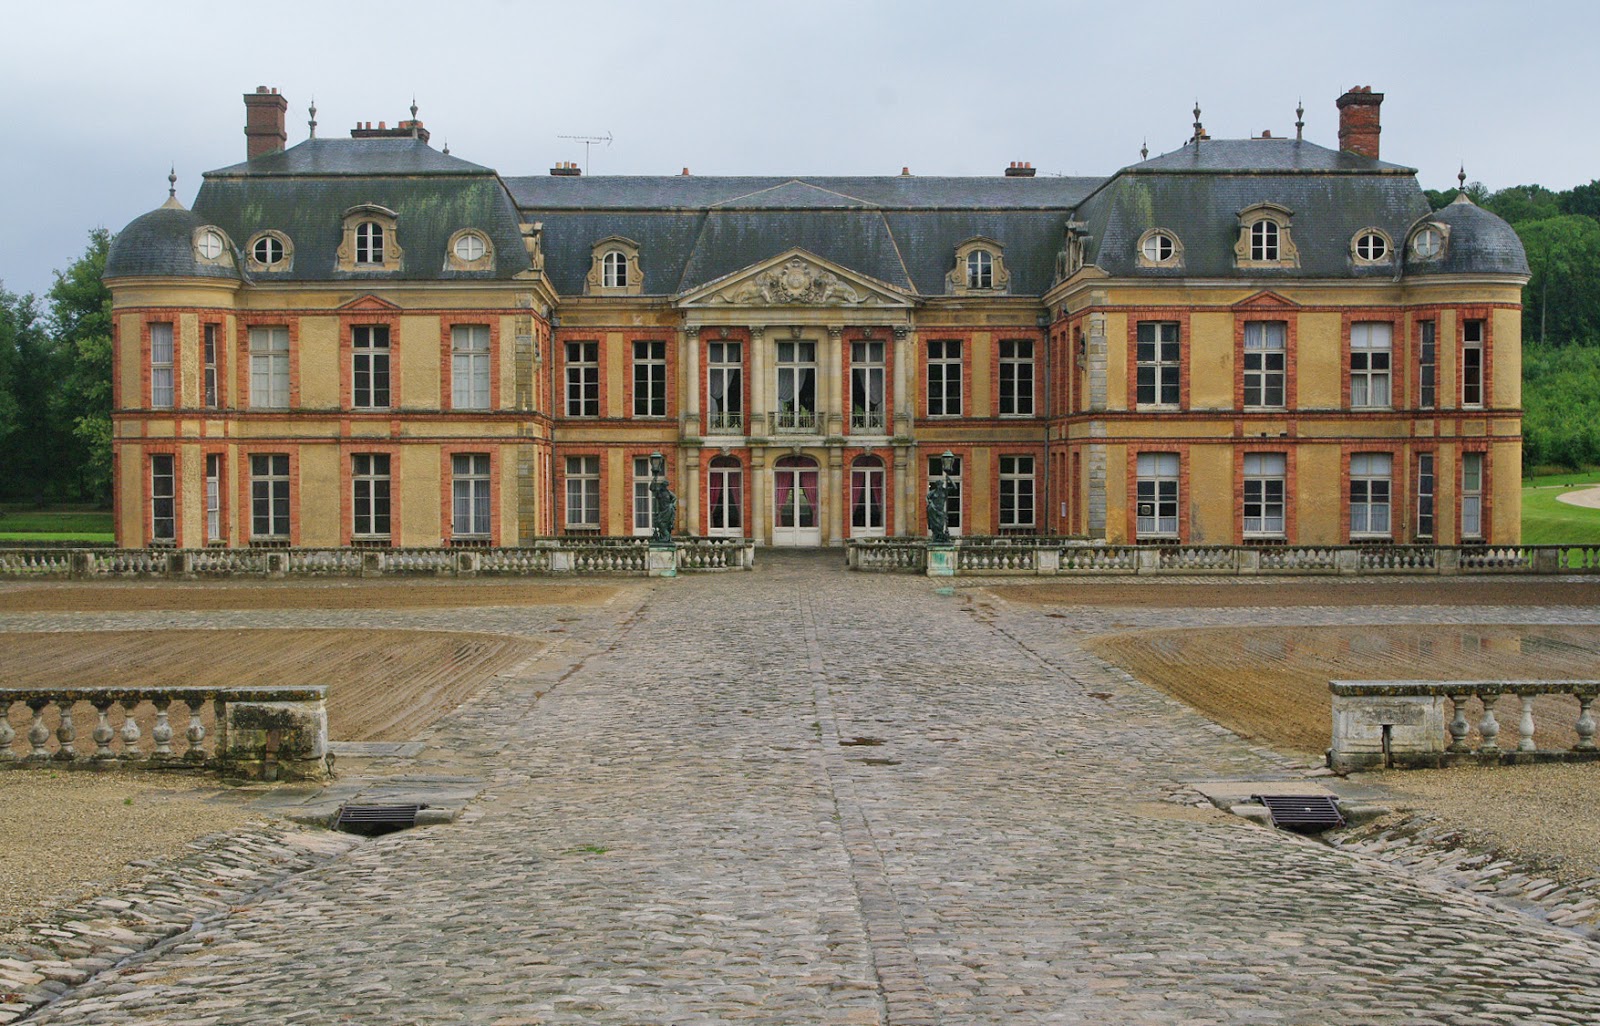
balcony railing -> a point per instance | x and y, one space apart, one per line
868 422
725 422
795 421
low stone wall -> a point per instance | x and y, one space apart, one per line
1417 723
276 733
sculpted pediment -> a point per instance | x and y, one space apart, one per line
796 278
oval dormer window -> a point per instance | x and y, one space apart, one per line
470 248
1427 243
1158 248
209 245
1371 246
268 250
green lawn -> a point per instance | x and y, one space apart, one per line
25 523
1546 521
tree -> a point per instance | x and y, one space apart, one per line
1524 203
1562 301
80 314
1583 199
31 453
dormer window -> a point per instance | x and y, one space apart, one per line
1427 243
614 268
209 245
1265 238
1371 246
269 251
469 247
469 250
369 243
1159 247
980 267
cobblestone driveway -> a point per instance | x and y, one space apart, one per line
805 796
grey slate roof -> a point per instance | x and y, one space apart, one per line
1480 242
692 192
353 157
161 244
1263 155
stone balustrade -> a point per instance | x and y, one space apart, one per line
574 554
278 733
1412 723
1056 556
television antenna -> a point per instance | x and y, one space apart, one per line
588 141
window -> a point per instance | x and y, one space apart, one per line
614 270
1265 360
1428 367
209 245
1157 247
644 506
269 368
269 497
980 269
1427 243
469 367
724 489
952 495
208 368
1472 496
583 379
1016 377
944 378
1016 492
1264 240
725 387
1370 349
163 501
369 366
469 248
1425 493
369 480
866 496
214 499
1369 494
583 493
369 243
1472 363
1371 247
1264 494
268 250
1158 358
469 494
866 387
649 379
797 386
161 385
1156 495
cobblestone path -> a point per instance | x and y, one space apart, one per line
806 796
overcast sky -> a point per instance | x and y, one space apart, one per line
99 98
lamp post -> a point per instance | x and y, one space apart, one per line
665 503
938 501
658 466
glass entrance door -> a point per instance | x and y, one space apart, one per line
725 498
796 520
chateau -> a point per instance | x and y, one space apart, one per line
368 341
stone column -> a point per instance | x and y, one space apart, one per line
757 413
835 498
760 492
831 370
904 479
903 360
690 406
689 491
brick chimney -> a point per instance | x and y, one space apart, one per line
411 129
1020 169
1358 121
263 122
566 169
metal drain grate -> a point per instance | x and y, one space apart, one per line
376 819
1307 813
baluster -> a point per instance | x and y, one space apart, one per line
196 734
38 733
161 733
7 735
102 734
1489 727
67 732
130 732
1458 724
1585 726
1525 725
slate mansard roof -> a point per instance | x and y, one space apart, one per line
902 230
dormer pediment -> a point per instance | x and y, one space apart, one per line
368 303
797 278
1266 300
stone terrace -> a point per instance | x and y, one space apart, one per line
806 796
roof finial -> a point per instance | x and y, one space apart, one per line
172 182
1461 177
1300 120
1144 150
1199 130
313 122
447 147
414 133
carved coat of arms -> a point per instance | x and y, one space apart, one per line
796 283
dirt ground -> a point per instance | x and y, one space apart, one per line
1168 593
382 685
1271 683
129 596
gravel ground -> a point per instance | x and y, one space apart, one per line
420 593
67 834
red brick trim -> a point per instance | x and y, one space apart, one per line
885 457
1131 513
1138 315
447 377
247 516
447 523
669 347
704 484
852 335
227 530
1291 484
1485 491
558 368
1398 378
147 493
348 449
1291 389
242 365
1400 506
1465 314
348 322
1413 480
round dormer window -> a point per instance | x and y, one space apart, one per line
1372 246
1427 243
470 248
209 245
1158 247
268 250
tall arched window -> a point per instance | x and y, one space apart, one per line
866 497
1264 240
369 243
725 497
980 269
614 270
